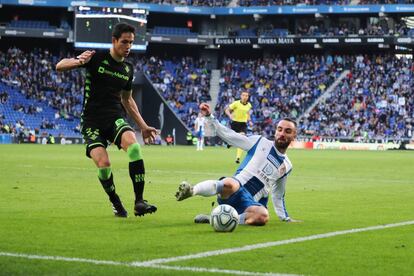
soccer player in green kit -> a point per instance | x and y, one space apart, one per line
108 94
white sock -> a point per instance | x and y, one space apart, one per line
242 218
206 188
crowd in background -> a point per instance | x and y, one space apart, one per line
183 82
34 76
347 29
278 87
247 3
374 100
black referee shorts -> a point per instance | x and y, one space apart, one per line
238 126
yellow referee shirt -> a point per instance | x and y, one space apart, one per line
240 112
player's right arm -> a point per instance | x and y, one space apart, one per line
72 63
226 134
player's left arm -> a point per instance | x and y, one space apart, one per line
148 133
278 198
226 134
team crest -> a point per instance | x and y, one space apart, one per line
268 169
127 68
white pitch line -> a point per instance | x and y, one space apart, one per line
60 258
134 265
217 270
156 263
270 244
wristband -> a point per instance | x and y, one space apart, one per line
80 61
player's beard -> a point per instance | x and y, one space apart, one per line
282 144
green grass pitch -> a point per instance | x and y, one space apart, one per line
51 204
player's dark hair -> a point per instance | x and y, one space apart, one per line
121 28
290 120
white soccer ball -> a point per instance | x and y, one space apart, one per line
224 218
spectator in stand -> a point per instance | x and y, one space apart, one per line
375 101
169 140
184 83
278 87
33 75
4 97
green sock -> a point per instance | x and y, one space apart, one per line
136 170
134 152
104 173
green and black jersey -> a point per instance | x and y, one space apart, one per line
105 78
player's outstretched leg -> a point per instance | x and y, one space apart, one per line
205 188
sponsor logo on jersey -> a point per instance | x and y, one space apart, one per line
273 160
102 70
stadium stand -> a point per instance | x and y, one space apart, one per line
39 98
248 3
31 24
374 101
184 83
278 87
158 30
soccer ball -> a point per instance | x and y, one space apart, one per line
224 218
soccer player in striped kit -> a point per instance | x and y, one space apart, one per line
264 171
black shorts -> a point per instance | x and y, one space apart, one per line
103 133
238 126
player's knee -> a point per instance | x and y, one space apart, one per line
260 220
104 163
230 185
127 139
264 218
261 217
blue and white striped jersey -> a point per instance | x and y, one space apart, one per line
264 169
199 123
